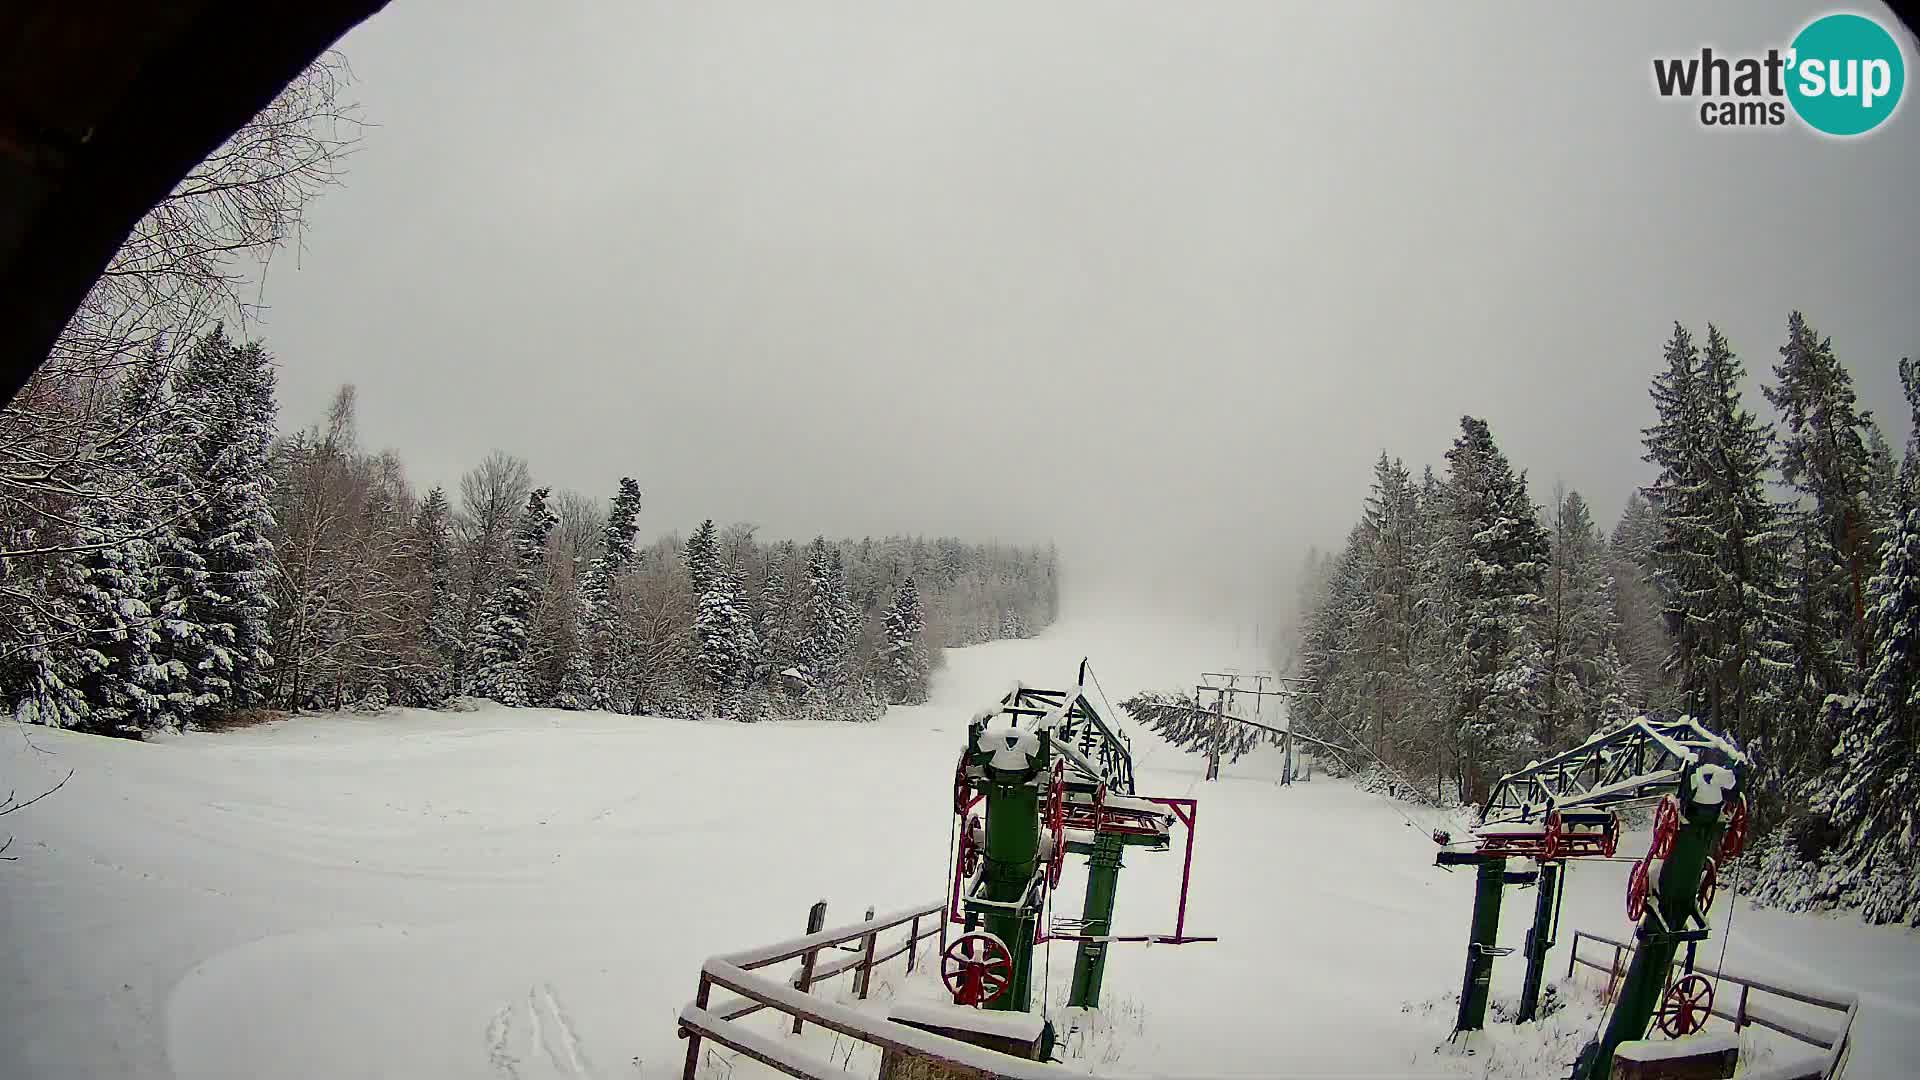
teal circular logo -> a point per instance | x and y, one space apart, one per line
1846 75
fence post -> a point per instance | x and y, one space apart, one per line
816 922
913 943
866 962
866 967
1573 953
693 1037
1740 1014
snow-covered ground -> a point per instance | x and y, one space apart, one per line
525 893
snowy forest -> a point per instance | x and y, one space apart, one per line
169 557
1767 583
206 565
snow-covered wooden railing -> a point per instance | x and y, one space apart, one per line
743 974
1834 1040
864 948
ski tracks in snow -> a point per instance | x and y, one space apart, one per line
534 1040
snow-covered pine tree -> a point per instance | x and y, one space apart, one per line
1641 639
44 677
1910 463
623 525
744 566
1872 791
1503 556
1684 554
433 547
1581 693
1339 683
823 622
1720 559
816 616
1883 482
229 388
1824 456
176 572
1821 659
1384 636
776 614
589 681
1748 658
1432 641
500 641
844 631
905 663
703 556
125 684
725 634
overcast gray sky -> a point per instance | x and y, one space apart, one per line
1136 277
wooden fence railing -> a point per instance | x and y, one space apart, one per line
1834 1040
861 941
858 947
743 973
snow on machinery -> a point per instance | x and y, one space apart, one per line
1044 775
1566 808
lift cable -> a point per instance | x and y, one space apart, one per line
1411 788
1046 978
1726 936
1357 744
954 824
1101 690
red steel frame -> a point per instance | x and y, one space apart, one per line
1188 813
959 876
1553 839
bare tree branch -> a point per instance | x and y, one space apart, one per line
10 804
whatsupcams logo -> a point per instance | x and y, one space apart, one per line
1842 75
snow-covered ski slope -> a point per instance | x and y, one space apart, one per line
520 893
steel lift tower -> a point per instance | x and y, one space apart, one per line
1566 808
1054 777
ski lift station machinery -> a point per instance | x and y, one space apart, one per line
1045 775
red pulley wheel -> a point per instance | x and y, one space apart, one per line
1666 827
962 793
1685 1007
969 849
1638 885
1734 841
1056 823
977 968
1550 837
